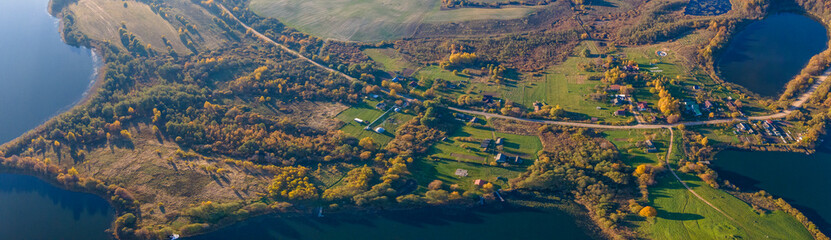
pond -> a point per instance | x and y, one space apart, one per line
39 77
766 54
484 223
802 180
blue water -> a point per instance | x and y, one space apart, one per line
39 77
767 54
39 74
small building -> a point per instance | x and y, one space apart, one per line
395 79
642 106
380 130
499 141
358 120
461 172
413 84
397 109
708 105
649 146
537 106
500 158
696 87
479 182
487 98
620 112
474 120
517 160
594 119
617 101
613 88
486 144
381 105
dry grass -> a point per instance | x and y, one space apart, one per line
151 170
100 19
371 20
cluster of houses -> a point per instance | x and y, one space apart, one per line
500 157
768 128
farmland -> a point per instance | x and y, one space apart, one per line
371 20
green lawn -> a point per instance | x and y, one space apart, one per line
526 146
425 171
683 216
366 111
389 59
632 155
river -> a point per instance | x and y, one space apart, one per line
41 76
802 180
766 54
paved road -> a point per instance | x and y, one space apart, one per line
269 40
795 105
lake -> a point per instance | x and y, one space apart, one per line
484 223
766 54
39 77
800 179
39 74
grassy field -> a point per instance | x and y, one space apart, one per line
371 20
100 19
683 216
389 59
625 141
442 165
366 111
524 146
425 171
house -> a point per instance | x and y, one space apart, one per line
487 98
474 120
486 144
380 130
649 147
617 101
461 172
396 109
499 141
613 88
742 126
381 105
358 120
413 84
693 107
462 117
708 105
537 106
395 79
642 106
479 182
620 112
500 158
696 87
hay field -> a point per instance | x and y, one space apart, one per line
372 20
